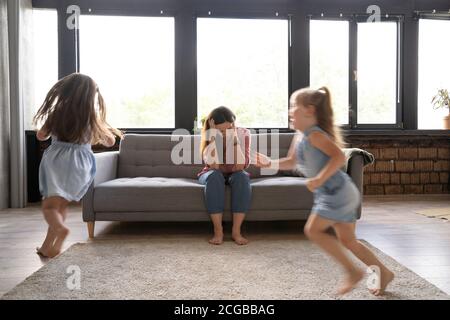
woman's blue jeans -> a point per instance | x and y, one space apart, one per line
241 191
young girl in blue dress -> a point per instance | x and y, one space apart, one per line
74 116
336 198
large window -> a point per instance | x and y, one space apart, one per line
243 64
434 70
248 62
329 63
377 73
132 60
374 66
45 56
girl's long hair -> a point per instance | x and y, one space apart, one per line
70 113
321 100
219 115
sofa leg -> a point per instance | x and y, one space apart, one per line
91 226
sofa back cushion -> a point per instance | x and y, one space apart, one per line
150 155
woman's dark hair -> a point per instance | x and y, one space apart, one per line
219 115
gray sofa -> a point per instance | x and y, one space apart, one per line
140 183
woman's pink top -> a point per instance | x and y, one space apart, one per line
244 140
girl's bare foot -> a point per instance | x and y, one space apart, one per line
351 281
61 235
239 239
217 239
43 253
46 254
386 277
46 248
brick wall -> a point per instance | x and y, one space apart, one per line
408 164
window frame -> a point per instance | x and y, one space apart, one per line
353 20
249 16
122 13
399 19
441 15
37 103
427 15
349 19
185 46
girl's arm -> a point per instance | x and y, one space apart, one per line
337 159
287 163
108 140
42 134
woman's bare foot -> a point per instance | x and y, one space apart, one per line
351 281
217 239
61 235
238 238
386 277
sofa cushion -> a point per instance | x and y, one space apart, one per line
280 193
143 155
178 194
144 194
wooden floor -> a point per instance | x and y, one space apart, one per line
390 223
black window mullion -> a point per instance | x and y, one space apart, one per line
290 88
353 74
410 72
399 118
67 47
300 58
185 70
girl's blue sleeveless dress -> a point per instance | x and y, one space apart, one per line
338 199
66 170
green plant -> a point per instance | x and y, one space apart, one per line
441 99
202 120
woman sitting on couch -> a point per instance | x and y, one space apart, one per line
226 152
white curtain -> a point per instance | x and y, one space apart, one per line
4 107
15 93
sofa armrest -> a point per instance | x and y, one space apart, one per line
106 163
355 169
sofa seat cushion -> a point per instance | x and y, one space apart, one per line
281 193
183 194
149 194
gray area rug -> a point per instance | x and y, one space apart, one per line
190 268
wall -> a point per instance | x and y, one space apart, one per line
407 164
